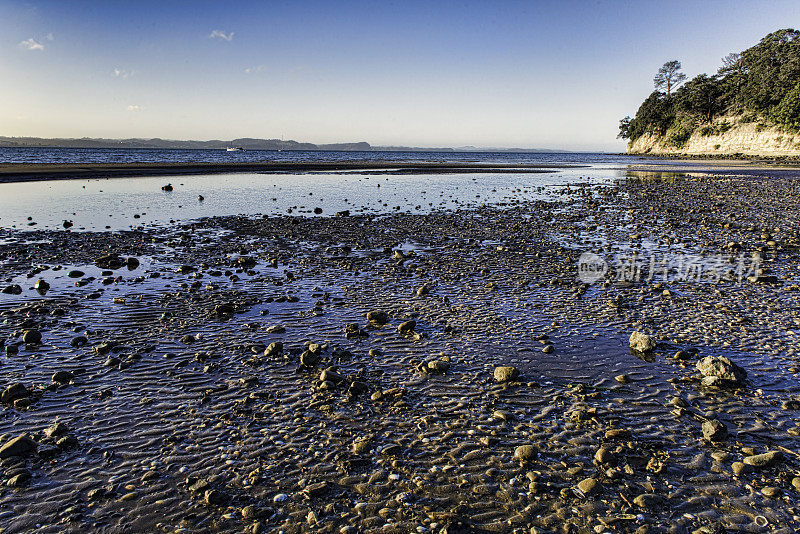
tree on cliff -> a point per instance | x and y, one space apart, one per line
760 84
669 76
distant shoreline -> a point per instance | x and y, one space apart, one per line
28 172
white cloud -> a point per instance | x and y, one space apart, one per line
251 70
31 44
122 73
134 108
219 34
49 36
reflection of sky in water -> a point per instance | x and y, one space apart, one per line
95 204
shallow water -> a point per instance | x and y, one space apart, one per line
122 203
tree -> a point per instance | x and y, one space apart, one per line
669 76
702 97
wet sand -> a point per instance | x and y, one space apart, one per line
444 372
28 172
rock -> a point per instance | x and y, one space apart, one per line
525 453
796 483
406 327
767 459
738 468
714 430
722 369
55 430
215 497
275 329
771 492
309 359
13 289
423 290
32 337
505 373
378 317
622 379
641 342
604 455
22 445
648 501
587 486
438 367
362 446
19 480
62 377
13 392
41 286
275 348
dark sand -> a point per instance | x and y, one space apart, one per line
181 413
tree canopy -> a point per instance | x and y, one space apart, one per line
761 83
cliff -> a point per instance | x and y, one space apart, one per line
746 138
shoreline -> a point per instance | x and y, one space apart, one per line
34 172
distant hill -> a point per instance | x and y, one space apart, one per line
246 143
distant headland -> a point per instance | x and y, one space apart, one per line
751 106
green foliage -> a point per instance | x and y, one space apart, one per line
758 83
679 133
788 110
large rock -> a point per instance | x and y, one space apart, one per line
14 392
505 373
641 342
378 317
19 446
719 370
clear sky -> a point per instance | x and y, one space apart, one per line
548 74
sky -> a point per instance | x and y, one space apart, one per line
535 74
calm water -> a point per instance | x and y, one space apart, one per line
108 155
122 203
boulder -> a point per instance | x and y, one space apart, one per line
721 371
641 342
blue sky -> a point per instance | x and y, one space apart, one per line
526 74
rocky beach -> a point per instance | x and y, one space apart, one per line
442 372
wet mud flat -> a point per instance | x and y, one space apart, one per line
408 373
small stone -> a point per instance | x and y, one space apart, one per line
622 379
587 486
378 317
19 480
764 460
505 373
714 430
406 327
362 446
55 430
648 501
641 342
796 483
604 455
525 453
771 492
32 337
62 377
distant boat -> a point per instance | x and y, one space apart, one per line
234 149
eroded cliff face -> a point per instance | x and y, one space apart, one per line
743 138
